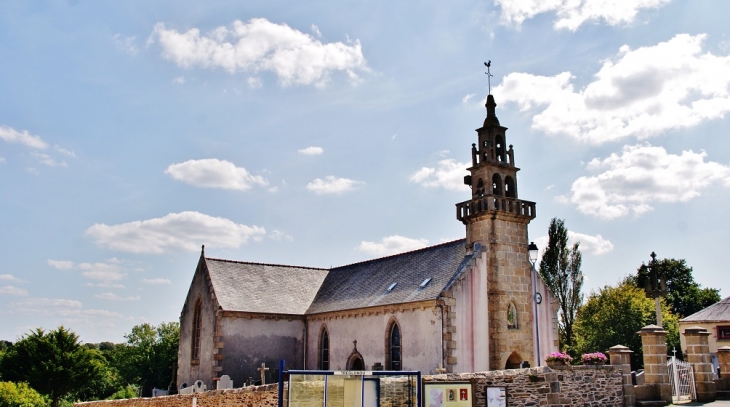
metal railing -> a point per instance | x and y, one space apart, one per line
681 375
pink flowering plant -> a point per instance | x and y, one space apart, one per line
559 357
594 358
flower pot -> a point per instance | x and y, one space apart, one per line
555 364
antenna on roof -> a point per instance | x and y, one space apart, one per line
489 75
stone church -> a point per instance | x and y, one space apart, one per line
467 305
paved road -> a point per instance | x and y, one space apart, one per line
718 403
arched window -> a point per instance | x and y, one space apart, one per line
480 187
509 187
197 322
511 316
324 349
514 361
394 354
499 144
496 184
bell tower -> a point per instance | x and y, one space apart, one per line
497 219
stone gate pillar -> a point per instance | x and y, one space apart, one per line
654 344
698 355
723 358
621 358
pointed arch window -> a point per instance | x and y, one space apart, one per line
394 355
197 322
496 184
324 349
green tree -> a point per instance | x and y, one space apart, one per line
53 363
20 395
614 316
684 295
148 354
560 269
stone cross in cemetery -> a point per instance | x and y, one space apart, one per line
440 369
263 370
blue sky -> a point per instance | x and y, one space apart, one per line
326 133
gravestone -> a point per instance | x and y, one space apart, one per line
184 389
225 382
158 392
263 370
199 386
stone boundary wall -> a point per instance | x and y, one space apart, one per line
542 386
597 386
252 396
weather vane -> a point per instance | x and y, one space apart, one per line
489 75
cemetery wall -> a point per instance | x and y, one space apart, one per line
567 386
252 396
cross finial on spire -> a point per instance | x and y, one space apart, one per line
489 75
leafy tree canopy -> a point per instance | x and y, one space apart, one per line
684 295
614 315
145 359
53 363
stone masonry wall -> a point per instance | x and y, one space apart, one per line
261 396
542 386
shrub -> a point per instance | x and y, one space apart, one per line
20 395
559 357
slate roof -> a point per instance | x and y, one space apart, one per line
264 288
717 312
281 289
365 284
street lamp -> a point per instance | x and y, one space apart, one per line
537 297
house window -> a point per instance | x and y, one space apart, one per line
511 316
324 350
394 347
197 322
723 332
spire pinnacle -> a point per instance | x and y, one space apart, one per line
491 115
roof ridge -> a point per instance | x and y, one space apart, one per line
265 264
398 254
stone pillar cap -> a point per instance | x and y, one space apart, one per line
724 349
619 349
695 330
652 329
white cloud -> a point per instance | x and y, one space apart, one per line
10 277
61 264
571 14
279 235
64 151
590 244
114 297
332 185
260 45
32 170
448 174
125 43
10 290
316 31
22 137
465 100
102 271
156 281
640 93
214 173
105 284
311 151
46 159
180 80
35 303
175 231
642 175
254 82
391 245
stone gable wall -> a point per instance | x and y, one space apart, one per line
542 386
